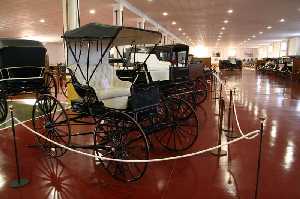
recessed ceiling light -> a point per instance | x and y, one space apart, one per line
180 29
221 33
42 20
183 33
253 36
269 27
92 11
219 39
220 36
249 39
282 20
261 33
149 0
226 21
173 22
223 28
165 14
230 11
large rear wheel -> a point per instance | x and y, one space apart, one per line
50 84
182 131
3 109
201 91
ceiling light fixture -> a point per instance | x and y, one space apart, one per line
219 39
226 21
220 36
165 14
183 33
230 11
221 33
253 36
261 33
42 20
223 28
282 20
249 39
179 29
92 11
269 27
173 22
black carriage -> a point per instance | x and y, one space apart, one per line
22 70
180 82
110 130
230 64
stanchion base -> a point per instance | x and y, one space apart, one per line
17 183
218 152
230 134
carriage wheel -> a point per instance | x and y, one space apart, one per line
201 91
3 109
183 130
50 119
119 136
50 85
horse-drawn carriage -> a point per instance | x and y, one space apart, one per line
22 70
168 67
120 117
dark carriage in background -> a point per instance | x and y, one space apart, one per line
168 66
230 64
115 125
22 70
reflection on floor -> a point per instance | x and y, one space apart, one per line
205 176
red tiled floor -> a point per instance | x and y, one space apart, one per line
204 176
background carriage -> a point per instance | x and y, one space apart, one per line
168 66
22 70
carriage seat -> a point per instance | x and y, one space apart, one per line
113 97
158 69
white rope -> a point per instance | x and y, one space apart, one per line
235 113
250 134
5 122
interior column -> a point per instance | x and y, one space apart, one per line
71 18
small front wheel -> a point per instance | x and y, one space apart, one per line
119 136
50 119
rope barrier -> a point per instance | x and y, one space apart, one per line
235 112
5 122
250 134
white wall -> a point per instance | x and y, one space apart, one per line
273 50
294 46
55 51
239 53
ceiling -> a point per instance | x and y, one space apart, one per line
201 20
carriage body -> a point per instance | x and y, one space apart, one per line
22 70
22 64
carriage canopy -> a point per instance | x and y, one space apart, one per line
121 35
8 42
